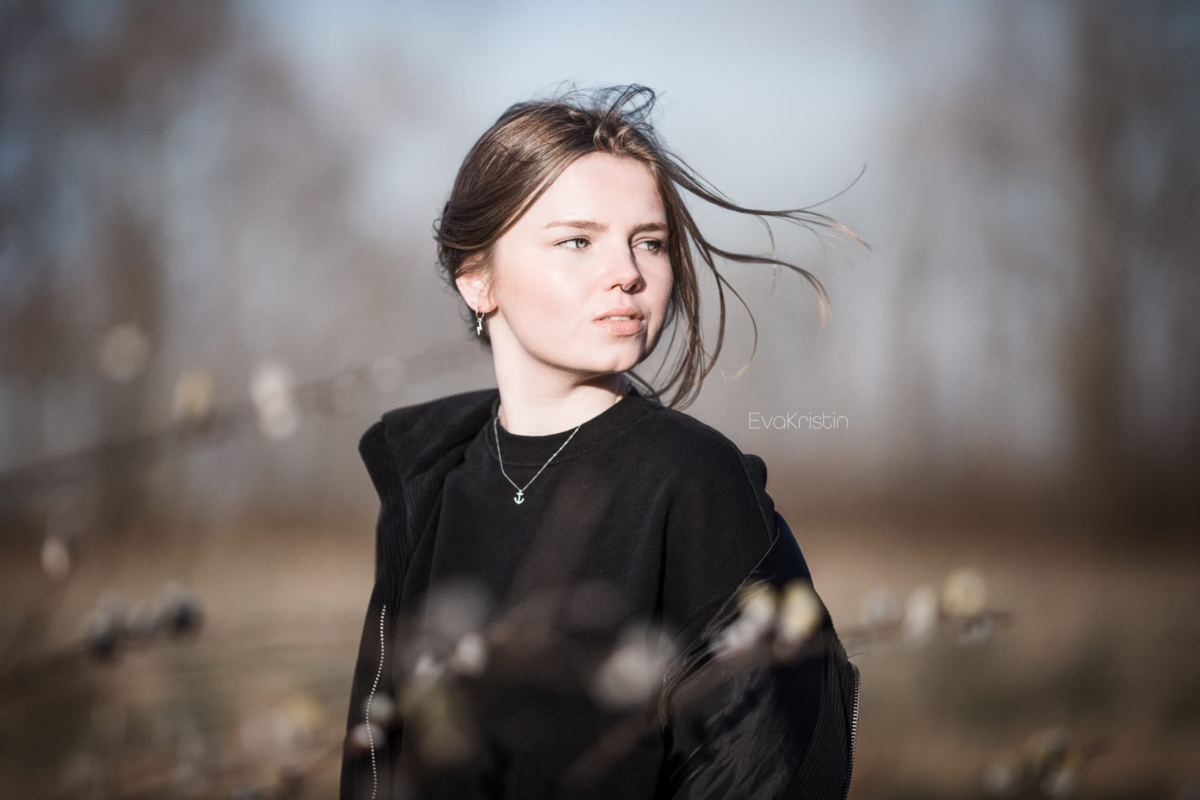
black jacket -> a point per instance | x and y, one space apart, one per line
750 737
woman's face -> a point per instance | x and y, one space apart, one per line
599 227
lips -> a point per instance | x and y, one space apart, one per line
621 311
622 327
622 320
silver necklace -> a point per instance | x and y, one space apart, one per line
520 498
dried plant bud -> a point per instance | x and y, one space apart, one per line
144 621
1061 781
381 710
1004 776
194 396
738 639
104 628
964 594
879 608
757 604
921 614
799 618
470 655
124 352
455 608
362 735
426 673
427 669
271 388
56 557
181 612
632 672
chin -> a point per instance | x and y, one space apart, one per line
598 359
625 356
604 366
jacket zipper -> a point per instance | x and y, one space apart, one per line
370 698
853 730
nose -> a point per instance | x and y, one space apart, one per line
623 271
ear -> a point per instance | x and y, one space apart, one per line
474 288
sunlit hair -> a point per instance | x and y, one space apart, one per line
529 146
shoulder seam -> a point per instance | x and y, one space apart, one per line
713 433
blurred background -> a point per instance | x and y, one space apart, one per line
217 270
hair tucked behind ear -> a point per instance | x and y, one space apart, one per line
529 146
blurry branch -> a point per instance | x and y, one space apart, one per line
329 395
975 629
1047 763
774 628
769 627
109 630
448 653
960 609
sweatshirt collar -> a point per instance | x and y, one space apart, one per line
536 451
424 437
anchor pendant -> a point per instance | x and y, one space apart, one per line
520 497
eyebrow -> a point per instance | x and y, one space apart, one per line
589 225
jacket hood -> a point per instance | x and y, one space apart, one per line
419 436
408 453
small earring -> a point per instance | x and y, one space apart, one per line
478 319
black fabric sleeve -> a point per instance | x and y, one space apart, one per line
782 730
719 525
771 731
365 774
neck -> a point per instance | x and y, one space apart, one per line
541 408
539 399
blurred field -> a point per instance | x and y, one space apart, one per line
1104 643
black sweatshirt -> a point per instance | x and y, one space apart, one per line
645 516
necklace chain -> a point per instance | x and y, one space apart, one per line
520 496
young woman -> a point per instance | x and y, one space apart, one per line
581 591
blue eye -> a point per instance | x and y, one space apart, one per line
658 245
576 239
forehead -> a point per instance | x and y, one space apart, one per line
601 187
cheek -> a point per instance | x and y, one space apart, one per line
542 300
662 292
